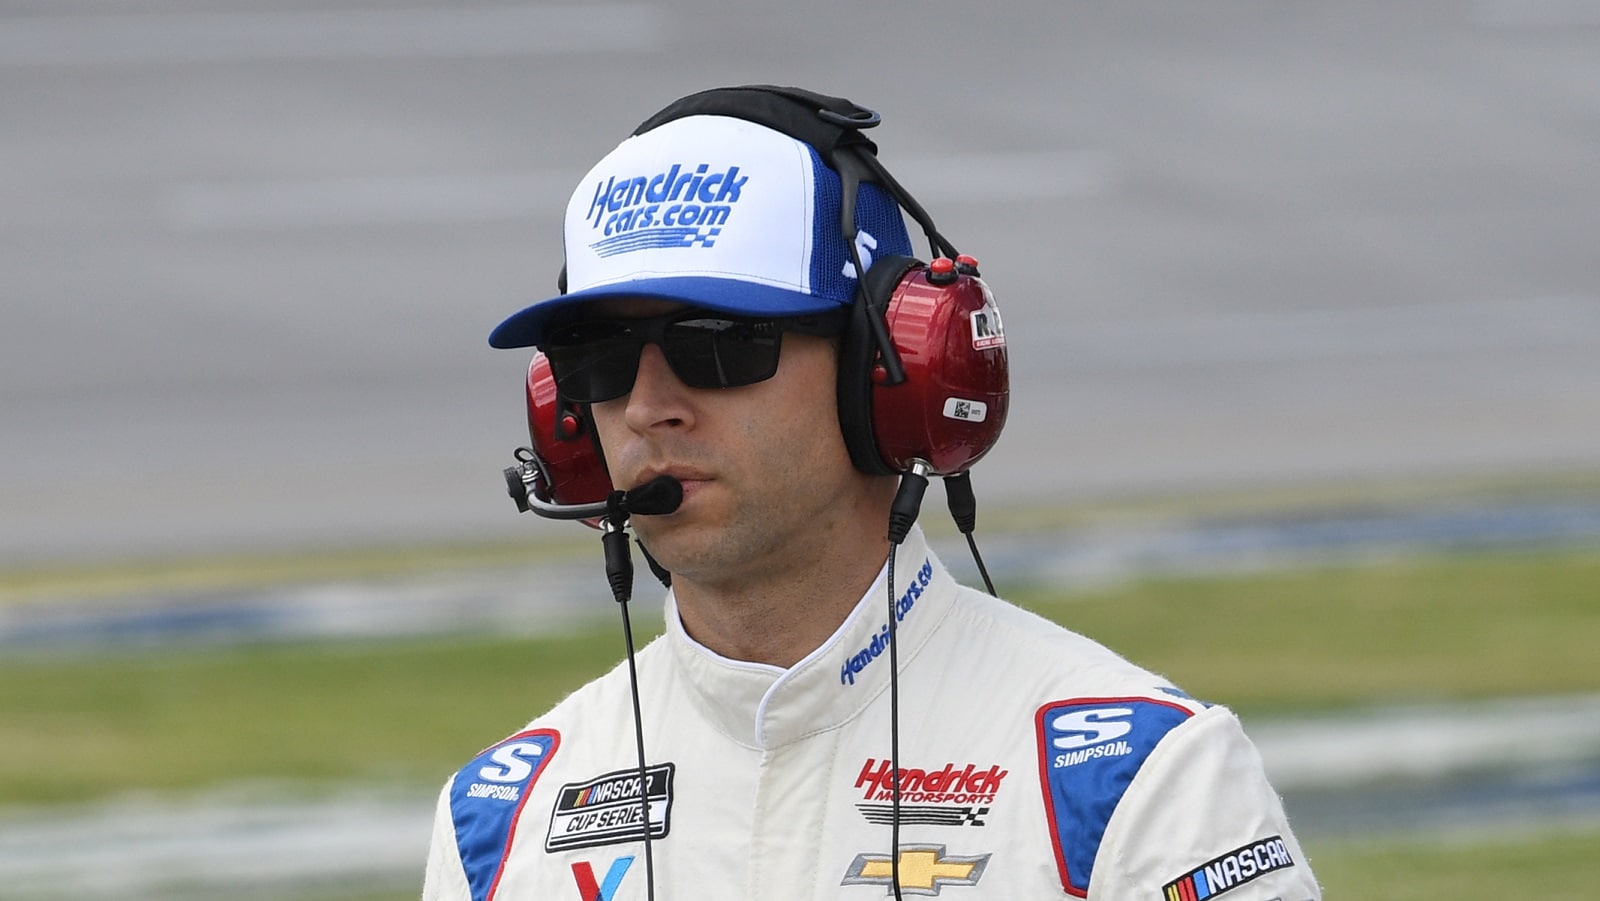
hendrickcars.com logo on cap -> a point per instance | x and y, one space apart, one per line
680 207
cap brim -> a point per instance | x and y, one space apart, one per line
740 298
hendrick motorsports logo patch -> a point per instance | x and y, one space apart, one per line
951 784
607 810
924 870
954 795
1231 870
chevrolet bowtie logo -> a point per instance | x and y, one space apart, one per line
924 870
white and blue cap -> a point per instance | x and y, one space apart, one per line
715 212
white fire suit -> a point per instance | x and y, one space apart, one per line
1033 763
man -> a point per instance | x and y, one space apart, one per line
792 730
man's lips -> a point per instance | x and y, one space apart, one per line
679 473
690 480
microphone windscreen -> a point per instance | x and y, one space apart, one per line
657 497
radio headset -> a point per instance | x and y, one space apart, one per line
923 383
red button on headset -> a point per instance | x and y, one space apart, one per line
941 270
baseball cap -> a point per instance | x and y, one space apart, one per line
715 212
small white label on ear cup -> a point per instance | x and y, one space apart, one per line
987 330
965 410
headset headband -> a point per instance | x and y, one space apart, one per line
826 123
831 125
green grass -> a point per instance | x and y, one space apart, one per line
1444 628
388 713
85 727
1553 866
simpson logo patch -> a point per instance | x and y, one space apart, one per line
1230 871
607 810
1089 751
486 800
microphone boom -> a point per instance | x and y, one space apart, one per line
657 497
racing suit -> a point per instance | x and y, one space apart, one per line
1033 763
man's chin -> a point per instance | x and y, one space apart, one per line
668 538
685 545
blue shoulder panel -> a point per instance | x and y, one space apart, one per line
1089 750
486 797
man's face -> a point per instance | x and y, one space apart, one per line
766 477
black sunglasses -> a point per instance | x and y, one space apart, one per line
597 360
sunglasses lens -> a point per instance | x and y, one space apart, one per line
594 361
598 360
707 352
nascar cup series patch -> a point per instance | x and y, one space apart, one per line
487 796
1089 751
612 808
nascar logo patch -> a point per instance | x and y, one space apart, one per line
1231 870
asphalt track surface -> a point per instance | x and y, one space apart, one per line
251 252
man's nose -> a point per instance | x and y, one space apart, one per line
658 397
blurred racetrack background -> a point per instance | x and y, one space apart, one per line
1304 298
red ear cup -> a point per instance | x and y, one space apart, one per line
952 405
565 452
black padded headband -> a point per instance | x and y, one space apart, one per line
826 123
832 125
